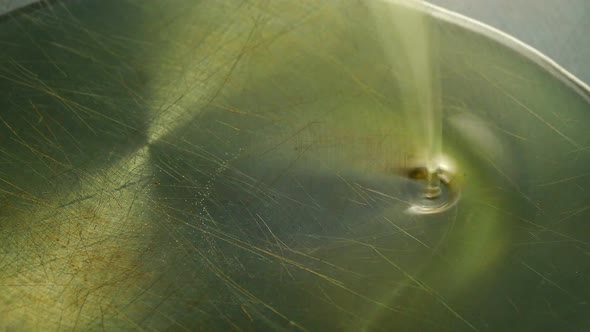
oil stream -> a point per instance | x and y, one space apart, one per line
410 45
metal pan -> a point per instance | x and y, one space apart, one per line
222 165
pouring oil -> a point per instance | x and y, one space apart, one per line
410 45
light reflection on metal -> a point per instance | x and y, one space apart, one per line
218 165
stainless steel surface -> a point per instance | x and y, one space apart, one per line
556 28
232 165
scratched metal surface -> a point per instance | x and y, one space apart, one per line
228 165
556 28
